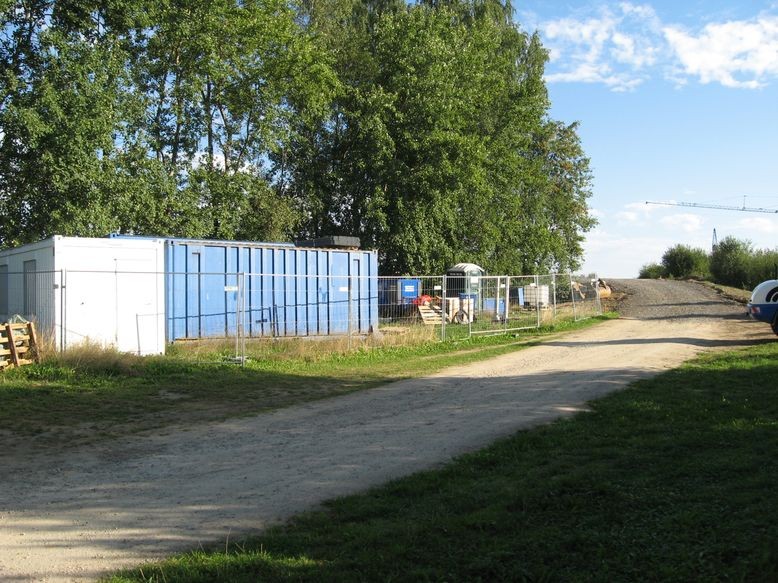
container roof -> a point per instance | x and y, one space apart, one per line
203 241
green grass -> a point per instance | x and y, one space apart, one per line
88 394
673 479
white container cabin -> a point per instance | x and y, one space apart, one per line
76 289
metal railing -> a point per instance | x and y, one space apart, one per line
143 312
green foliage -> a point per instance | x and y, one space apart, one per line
729 262
732 263
652 271
762 265
682 261
438 147
423 129
151 118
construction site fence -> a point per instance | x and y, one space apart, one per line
143 312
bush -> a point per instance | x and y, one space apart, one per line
763 264
729 263
683 261
652 271
733 262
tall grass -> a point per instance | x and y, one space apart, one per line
94 357
305 349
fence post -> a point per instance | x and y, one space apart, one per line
597 294
61 313
443 311
241 323
350 283
507 303
64 316
137 332
572 297
553 284
116 302
538 297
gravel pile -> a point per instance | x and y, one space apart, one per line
660 299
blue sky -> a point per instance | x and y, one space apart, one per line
677 101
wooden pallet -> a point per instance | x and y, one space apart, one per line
431 315
18 345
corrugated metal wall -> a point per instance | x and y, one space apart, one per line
289 291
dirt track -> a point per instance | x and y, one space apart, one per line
114 505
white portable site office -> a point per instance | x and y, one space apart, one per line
108 291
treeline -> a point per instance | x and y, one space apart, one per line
732 262
423 129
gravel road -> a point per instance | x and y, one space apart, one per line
72 517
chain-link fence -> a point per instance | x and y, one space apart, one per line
144 312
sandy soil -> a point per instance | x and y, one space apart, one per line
72 517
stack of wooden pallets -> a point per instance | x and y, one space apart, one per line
430 314
18 345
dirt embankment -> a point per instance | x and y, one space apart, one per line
72 517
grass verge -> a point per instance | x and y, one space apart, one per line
731 293
673 479
88 394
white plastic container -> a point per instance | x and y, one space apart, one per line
536 295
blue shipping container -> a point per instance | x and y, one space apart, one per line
289 291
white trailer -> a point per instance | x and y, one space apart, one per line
107 291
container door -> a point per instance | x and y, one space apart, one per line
213 296
339 290
301 300
193 307
311 294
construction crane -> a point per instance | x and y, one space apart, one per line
722 207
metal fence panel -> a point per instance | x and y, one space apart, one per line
35 296
141 312
585 295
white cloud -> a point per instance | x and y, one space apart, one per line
635 212
627 217
606 48
640 206
623 45
686 222
611 254
759 225
740 54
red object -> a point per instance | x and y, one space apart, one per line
423 300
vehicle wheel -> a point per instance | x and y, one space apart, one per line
775 323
